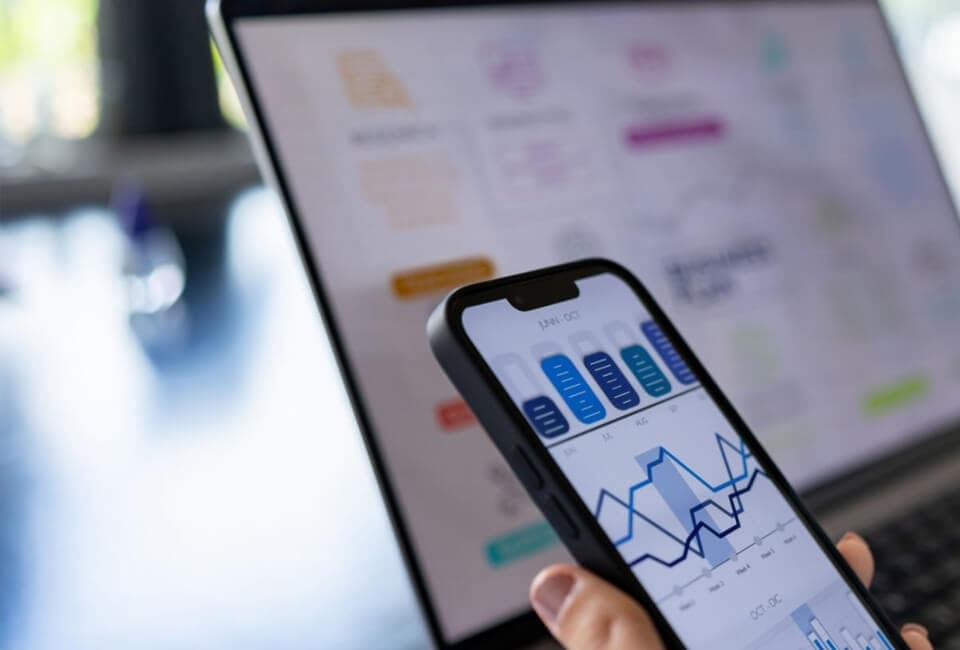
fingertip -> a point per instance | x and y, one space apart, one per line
856 552
550 572
851 536
584 611
916 640
915 627
550 590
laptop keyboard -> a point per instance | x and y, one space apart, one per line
918 568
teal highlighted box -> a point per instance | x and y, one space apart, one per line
520 543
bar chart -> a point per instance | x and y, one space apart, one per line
601 376
834 619
573 388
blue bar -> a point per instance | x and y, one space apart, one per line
884 640
830 645
667 352
818 644
573 388
545 417
682 501
608 376
645 370
802 616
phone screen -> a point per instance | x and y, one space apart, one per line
679 493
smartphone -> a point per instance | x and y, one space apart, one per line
643 467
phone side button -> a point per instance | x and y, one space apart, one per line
558 516
525 470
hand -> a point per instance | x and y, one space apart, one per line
585 613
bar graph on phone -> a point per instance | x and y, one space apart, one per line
832 620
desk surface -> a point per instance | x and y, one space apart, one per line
197 481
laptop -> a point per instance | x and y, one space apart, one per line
761 165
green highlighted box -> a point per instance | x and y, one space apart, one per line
520 543
895 396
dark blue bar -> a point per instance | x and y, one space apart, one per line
667 352
573 388
545 417
645 370
608 376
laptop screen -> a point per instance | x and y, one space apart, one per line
760 166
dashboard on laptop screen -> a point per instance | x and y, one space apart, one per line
760 166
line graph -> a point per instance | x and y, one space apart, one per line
693 514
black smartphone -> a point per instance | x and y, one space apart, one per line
643 467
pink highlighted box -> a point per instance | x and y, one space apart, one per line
677 132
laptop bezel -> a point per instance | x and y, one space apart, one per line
524 628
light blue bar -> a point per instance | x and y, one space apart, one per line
682 500
573 388
802 617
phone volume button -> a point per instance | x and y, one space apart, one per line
524 468
562 522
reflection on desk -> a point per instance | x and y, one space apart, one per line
193 496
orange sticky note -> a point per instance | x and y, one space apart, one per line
417 282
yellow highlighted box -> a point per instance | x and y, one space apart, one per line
369 81
414 283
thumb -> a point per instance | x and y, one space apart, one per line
585 613
916 637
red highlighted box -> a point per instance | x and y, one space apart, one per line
454 415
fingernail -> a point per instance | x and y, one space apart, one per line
915 627
550 593
849 537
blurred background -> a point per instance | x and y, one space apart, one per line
172 426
